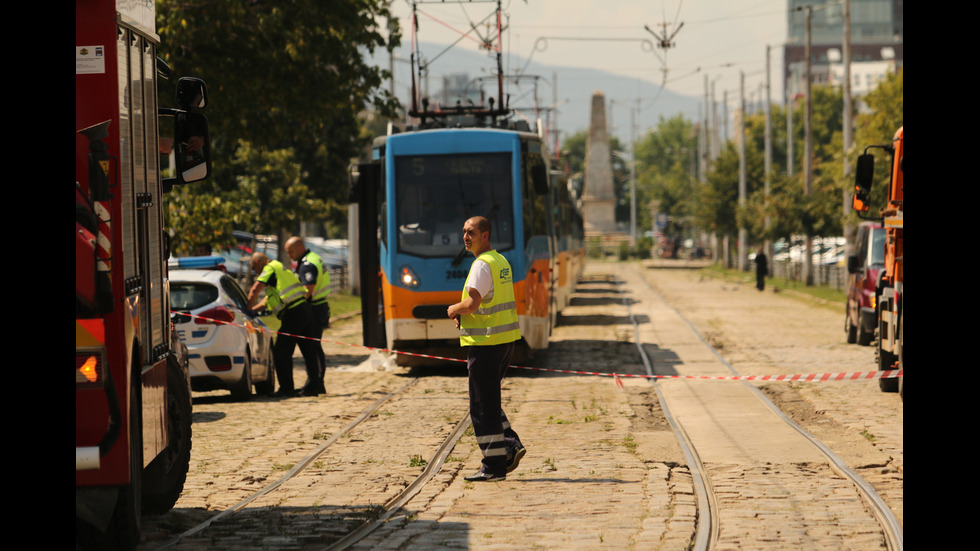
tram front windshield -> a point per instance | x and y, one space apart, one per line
436 194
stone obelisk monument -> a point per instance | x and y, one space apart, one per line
598 200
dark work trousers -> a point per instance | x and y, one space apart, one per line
321 315
487 366
297 322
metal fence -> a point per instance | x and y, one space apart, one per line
339 279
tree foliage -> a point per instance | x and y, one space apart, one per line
200 221
886 115
666 170
287 79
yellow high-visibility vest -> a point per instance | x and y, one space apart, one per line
322 287
494 322
288 292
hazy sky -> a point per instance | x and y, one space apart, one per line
719 38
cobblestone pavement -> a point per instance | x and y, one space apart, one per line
603 469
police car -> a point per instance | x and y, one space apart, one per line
228 348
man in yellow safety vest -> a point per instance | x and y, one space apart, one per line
487 319
285 296
313 274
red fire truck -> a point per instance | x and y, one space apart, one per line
132 397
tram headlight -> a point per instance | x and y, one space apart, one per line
408 277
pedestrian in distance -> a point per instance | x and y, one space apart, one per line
761 269
487 319
285 297
313 274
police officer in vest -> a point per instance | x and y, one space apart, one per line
487 319
285 296
314 276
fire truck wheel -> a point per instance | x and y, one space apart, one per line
166 474
243 388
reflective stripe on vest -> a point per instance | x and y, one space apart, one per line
495 321
287 293
322 287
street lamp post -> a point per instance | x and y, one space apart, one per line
630 159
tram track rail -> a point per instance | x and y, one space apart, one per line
709 521
293 510
390 507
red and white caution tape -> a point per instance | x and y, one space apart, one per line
617 377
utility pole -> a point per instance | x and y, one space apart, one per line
768 157
703 143
790 159
846 39
715 137
808 146
633 172
554 105
742 184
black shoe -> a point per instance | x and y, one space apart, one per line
515 460
281 393
484 477
310 391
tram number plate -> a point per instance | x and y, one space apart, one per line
456 274
453 238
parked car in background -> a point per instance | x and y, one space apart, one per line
332 256
228 347
863 266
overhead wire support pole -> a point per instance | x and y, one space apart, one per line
491 42
742 178
768 154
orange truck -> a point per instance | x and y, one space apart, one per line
889 291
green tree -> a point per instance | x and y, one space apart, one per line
273 182
283 76
666 172
200 220
887 114
788 208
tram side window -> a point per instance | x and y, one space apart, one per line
535 206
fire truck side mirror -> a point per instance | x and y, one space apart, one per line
193 147
185 146
863 178
191 92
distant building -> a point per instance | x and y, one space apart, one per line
460 88
877 37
